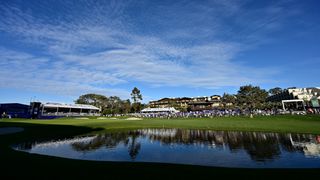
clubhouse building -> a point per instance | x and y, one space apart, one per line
187 103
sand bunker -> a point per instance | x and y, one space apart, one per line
133 118
113 118
82 118
106 118
102 118
10 130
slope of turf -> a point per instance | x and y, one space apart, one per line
293 124
22 165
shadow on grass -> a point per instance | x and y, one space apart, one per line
18 164
41 132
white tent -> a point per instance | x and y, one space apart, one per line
158 110
296 101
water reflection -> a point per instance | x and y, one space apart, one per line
146 144
260 146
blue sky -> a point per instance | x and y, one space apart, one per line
56 50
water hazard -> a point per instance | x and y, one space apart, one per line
196 147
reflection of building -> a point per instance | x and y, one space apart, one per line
311 147
260 146
194 103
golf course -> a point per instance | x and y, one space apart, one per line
22 164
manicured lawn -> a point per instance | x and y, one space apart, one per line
21 164
293 124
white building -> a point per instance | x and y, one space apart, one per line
305 94
297 98
59 109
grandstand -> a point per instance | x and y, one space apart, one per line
14 110
51 110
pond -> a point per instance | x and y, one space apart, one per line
195 147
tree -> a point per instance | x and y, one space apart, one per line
93 99
108 105
125 106
275 90
251 96
113 105
272 105
228 99
136 97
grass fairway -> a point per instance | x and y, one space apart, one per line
293 124
20 164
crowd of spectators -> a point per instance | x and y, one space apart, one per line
210 113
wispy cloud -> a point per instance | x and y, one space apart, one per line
25 71
89 46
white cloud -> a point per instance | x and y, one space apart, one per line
24 71
85 51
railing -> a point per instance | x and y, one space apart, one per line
70 114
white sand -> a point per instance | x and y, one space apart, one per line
10 130
106 118
102 118
113 118
82 118
133 118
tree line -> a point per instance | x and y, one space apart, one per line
113 104
251 97
247 97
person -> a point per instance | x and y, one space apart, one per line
318 139
310 110
4 115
